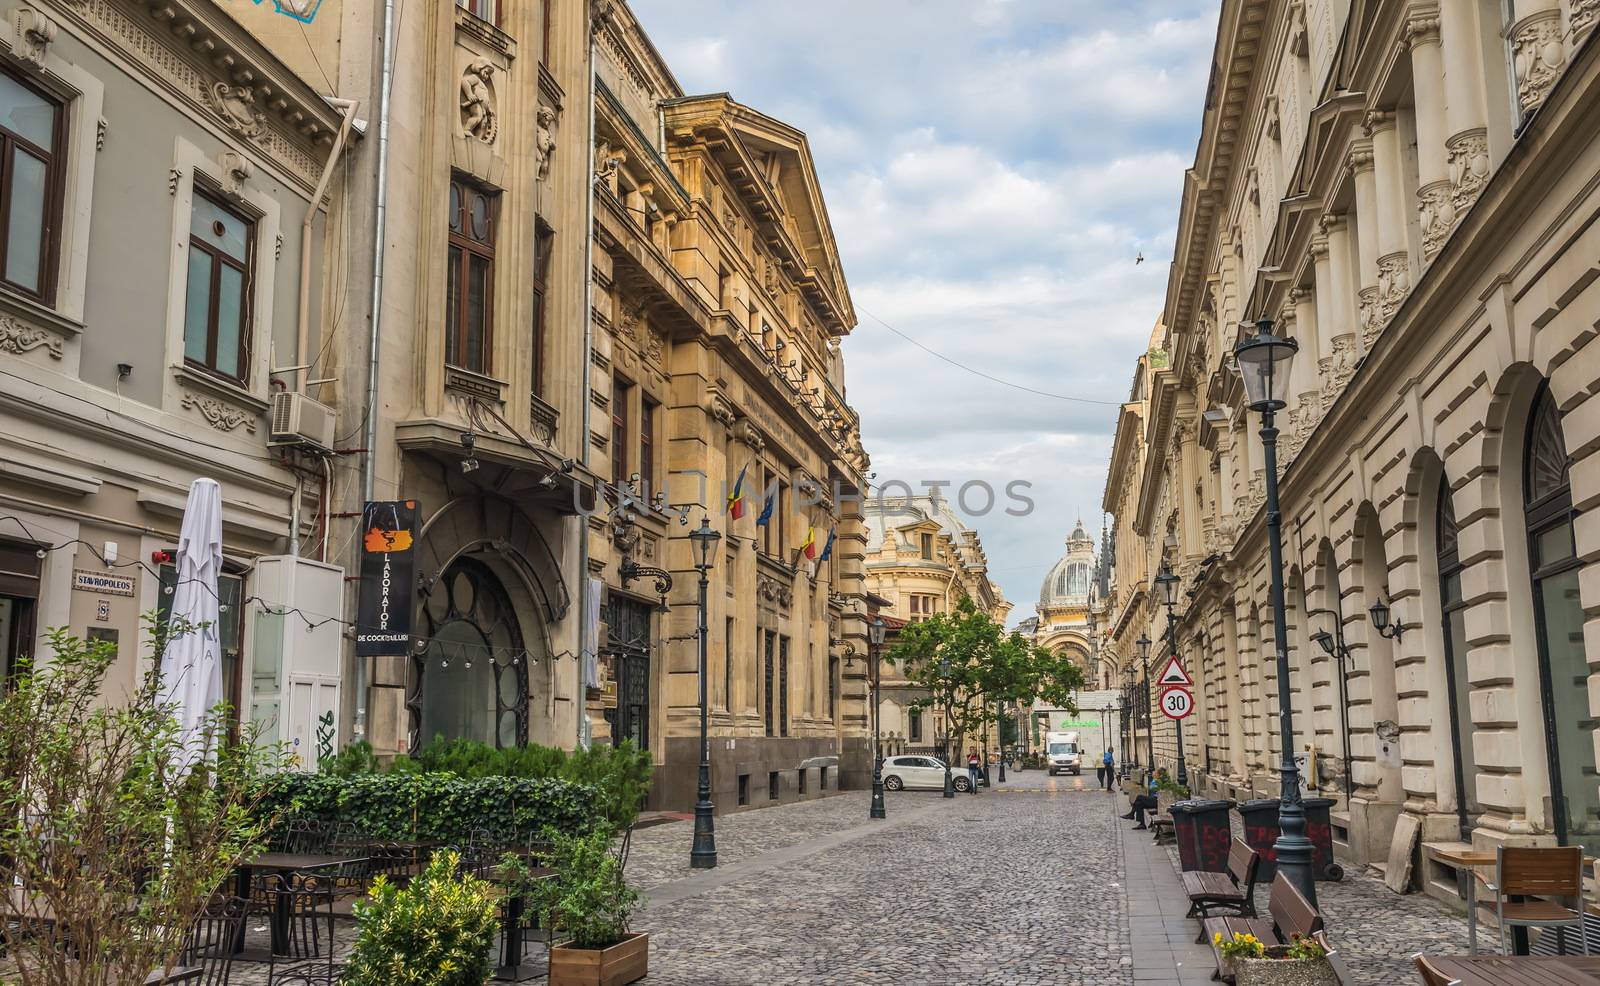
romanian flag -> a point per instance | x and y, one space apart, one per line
827 549
766 509
736 498
810 545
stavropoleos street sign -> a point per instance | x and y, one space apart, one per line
1173 674
1177 703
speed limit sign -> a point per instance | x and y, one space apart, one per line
1177 703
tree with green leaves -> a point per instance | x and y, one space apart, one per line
971 668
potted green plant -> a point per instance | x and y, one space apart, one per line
588 900
1251 962
438 931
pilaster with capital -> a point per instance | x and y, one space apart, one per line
1435 210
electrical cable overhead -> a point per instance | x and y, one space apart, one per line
988 376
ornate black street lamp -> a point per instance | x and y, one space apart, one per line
1143 699
704 854
1000 741
1167 582
1380 621
1127 723
1264 361
1333 645
875 631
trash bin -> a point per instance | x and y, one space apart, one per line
1260 818
1319 829
1203 833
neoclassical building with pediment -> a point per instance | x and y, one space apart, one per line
1407 189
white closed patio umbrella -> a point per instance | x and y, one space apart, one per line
191 666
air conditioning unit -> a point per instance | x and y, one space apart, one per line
299 420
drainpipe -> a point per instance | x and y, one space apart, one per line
303 328
584 643
379 233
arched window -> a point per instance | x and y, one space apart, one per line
1558 620
1455 662
472 679
1077 579
1061 583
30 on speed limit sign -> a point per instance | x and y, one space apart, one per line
1177 703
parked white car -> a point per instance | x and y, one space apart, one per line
919 773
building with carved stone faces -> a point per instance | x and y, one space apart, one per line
923 559
1407 190
719 310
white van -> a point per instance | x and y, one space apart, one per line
1062 753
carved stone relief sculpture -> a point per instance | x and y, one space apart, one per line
1469 167
1437 214
1394 283
1582 15
220 415
236 105
1371 314
1538 54
19 339
479 117
545 140
31 35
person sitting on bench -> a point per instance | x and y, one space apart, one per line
1147 801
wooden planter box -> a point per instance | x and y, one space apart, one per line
625 962
1284 972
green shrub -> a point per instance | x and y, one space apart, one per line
589 899
436 932
437 806
357 758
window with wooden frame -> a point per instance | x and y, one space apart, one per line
32 159
543 244
647 445
216 309
927 546
484 10
621 395
469 287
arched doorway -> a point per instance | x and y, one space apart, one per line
1558 618
471 677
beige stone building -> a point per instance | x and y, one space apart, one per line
922 558
1408 190
720 306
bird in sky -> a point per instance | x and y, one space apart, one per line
1139 259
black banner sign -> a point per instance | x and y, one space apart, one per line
388 579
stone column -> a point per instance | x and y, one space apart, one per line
1339 358
1329 330
1367 219
1466 117
1537 50
1394 255
1435 211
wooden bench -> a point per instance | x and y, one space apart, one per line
1162 827
1290 915
1233 889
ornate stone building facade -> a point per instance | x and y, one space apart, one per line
1407 189
719 309
922 558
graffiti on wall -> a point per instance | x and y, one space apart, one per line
304 11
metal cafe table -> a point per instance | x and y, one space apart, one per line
285 864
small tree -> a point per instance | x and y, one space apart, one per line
114 841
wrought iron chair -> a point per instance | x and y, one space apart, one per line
212 940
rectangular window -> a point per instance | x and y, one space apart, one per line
916 726
744 789
543 245
216 313
469 283
621 394
783 686
770 643
772 785
833 688
927 545
727 664
31 159
230 595
647 445
822 778
800 780
485 10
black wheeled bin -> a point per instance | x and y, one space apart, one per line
1319 829
1203 833
1260 818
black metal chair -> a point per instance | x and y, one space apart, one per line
213 939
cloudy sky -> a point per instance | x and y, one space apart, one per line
992 169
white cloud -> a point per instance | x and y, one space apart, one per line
992 168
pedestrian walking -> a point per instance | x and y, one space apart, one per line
1108 768
973 764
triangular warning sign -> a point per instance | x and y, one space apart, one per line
1173 674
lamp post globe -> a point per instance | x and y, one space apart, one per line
1142 696
875 634
704 854
1264 364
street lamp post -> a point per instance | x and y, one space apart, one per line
1127 719
704 854
999 710
1333 645
1143 698
1264 361
1167 581
875 631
